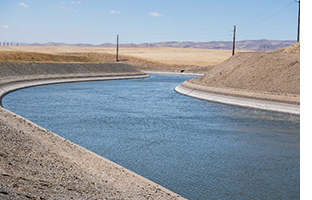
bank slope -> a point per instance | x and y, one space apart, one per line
269 77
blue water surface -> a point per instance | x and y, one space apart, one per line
196 148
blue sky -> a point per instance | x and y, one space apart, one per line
139 21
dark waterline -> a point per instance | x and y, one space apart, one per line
198 149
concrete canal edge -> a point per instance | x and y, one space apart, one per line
14 76
132 184
16 84
285 104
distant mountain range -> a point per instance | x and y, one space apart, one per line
249 45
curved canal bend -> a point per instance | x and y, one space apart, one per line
198 149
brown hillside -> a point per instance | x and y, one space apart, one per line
143 58
277 73
18 56
291 49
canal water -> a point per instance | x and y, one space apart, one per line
196 148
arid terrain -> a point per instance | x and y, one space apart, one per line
274 73
277 73
144 58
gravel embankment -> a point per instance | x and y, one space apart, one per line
269 81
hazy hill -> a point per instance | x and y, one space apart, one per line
250 45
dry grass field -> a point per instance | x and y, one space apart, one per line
145 58
13 56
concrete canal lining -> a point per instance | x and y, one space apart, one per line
240 98
15 76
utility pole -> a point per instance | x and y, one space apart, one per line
298 33
233 50
117 48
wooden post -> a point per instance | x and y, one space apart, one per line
117 48
233 50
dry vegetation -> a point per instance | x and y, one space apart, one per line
15 56
144 58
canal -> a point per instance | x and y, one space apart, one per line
196 148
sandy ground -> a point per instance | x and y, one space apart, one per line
277 73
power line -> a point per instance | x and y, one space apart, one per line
259 13
266 19
206 32
209 33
